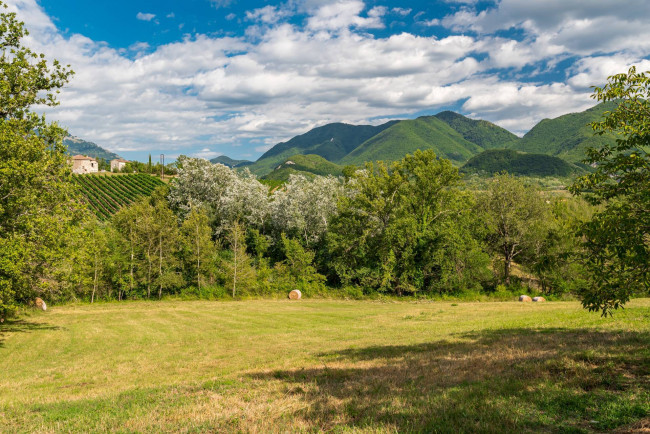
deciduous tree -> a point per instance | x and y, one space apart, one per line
617 239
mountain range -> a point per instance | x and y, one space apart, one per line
79 146
327 149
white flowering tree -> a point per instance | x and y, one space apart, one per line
304 207
228 195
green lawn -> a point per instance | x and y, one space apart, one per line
312 365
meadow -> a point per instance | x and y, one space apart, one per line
325 365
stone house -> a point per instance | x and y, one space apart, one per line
84 164
118 164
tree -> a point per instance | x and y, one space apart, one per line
515 215
405 229
617 238
198 248
37 199
305 207
239 269
297 270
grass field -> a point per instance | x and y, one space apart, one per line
369 366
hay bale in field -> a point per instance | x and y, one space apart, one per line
295 295
40 304
525 298
539 299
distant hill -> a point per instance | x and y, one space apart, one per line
227 161
519 163
79 146
567 136
485 134
308 165
404 137
331 141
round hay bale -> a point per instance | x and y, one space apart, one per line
295 295
539 299
525 298
40 304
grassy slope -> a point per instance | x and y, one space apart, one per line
485 134
567 136
405 137
332 142
271 366
308 165
519 163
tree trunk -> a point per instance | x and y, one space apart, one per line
160 259
506 271
92 297
234 278
198 259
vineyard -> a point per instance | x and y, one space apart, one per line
107 194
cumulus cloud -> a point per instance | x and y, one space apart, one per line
239 94
145 17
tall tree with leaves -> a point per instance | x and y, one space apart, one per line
516 217
405 228
617 239
198 249
36 195
239 270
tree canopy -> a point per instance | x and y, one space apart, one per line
617 239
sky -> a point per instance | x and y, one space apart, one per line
231 77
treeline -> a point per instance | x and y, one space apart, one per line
410 228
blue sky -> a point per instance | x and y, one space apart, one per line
234 77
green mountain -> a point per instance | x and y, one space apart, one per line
308 165
79 146
227 161
519 163
485 134
567 136
405 137
332 142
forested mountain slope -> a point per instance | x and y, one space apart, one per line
567 136
405 137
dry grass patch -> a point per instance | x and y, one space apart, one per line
275 366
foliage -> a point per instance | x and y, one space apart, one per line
617 239
304 207
406 229
76 146
332 142
427 132
37 206
493 161
516 217
198 249
227 195
227 161
238 270
485 134
306 165
297 270
568 136
106 194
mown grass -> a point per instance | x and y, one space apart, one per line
313 365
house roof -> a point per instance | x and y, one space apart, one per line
83 157
120 160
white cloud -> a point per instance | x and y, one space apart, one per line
267 15
345 14
205 93
401 11
145 17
